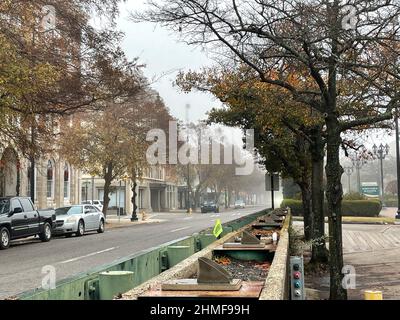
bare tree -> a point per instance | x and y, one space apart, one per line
318 40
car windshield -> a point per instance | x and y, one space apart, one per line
4 206
69 210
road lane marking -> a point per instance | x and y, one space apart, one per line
180 229
87 255
187 218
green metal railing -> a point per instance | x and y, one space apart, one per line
145 265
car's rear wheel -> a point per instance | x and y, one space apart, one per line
81 229
4 238
101 226
45 236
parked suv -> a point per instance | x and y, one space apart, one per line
19 219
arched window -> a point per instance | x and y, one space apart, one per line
67 179
50 179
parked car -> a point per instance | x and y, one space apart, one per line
20 219
78 219
209 206
239 204
97 203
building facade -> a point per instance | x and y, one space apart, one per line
56 182
156 192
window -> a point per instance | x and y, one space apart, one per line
50 179
15 204
90 208
66 181
4 206
26 205
68 210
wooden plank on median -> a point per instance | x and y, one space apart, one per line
264 247
194 285
249 289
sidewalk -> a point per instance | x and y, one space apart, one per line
113 221
374 252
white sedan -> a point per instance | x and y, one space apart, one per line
78 219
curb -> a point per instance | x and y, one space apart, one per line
111 225
397 222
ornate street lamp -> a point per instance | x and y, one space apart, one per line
348 171
358 163
381 152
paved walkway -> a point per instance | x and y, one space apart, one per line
374 252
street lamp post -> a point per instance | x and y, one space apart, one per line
189 205
358 164
348 171
396 119
381 152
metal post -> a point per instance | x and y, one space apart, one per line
381 152
349 171
358 163
32 168
189 209
397 163
382 187
189 206
125 197
118 201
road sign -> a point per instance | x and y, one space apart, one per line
217 228
370 189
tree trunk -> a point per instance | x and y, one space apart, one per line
197 198
307 213
108 177
334 194
133 199
319 251
18 188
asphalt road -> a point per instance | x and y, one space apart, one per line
21 265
